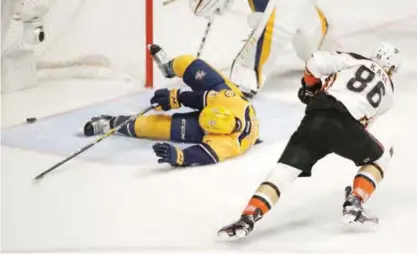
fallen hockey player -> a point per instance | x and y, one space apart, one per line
224 125
338 112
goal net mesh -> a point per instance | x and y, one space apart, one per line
84 38
106 39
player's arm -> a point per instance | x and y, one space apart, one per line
323 64
201 154
222 146
199 99
213 149
175 98
320 64
193 99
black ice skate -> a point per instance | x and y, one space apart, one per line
240 228
353 214
162 60
97 125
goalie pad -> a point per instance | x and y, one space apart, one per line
291 25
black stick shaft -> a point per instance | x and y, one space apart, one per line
206 33
83 149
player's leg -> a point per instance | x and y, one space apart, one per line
277 38
365 182
258 5
263 45
185 128
181 127
195 72
199 75
360 146
151 126
303 150
348 138
249 72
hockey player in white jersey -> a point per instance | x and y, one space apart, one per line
357 91
278 26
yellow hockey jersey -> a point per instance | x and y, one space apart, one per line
227 146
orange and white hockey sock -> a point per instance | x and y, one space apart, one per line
366 180
268 193
264 199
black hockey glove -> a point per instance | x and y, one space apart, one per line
167 99
168 153
305 93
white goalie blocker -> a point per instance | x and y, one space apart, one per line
295 25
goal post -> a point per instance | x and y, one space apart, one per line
149 40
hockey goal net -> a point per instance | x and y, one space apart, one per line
84 38
106 39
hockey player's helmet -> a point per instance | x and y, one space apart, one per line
387 56
217 119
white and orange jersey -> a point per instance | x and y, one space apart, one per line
359 83
363 87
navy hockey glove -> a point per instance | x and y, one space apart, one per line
167 99
168 153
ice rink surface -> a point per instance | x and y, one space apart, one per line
117 198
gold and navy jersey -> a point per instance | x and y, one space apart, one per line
227 146
209 87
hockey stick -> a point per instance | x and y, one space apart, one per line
206 32
85 148
166 2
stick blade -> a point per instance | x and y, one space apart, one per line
39 177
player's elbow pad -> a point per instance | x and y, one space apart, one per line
199 155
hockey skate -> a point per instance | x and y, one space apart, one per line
239 229
97 125
353 214
162 60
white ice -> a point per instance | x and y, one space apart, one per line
95 206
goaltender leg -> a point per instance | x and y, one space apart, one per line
223 123
298 24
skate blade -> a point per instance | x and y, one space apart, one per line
351 222
226 236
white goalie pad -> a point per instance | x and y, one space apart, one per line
295 25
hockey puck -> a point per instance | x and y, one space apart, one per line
31 119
